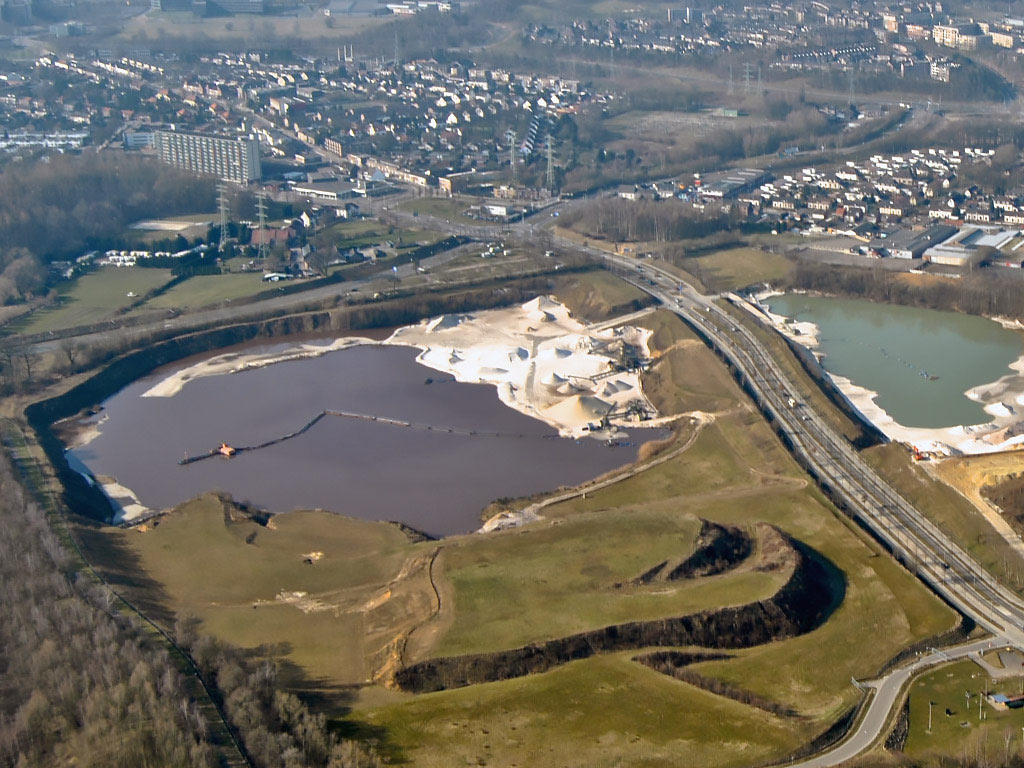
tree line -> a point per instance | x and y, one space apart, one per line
81 683
61 207
981 292
84 685
647 220
277 729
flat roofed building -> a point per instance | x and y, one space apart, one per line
961 247
947 35
231 159
1003 39
237 6
328 191
911 244
730 184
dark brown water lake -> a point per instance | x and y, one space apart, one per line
434 481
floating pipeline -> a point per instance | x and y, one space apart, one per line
234 451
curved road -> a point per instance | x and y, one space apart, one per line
887 694
839 469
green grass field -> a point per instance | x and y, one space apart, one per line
559 580
960 732
613 711
603 712
441 208
735 268
355 234
245 580
93 297
204 290
370 603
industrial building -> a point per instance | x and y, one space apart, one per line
911 244
959 249
233 7
231 159
728 184
328 191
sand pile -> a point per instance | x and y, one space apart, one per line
446 322
579 408
543 361
537 356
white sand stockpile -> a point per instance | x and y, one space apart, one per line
543 362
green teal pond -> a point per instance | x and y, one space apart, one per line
920 362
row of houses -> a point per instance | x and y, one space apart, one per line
919 186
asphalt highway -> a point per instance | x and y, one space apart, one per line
838 468
936 558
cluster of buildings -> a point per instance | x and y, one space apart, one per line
918 187
412 7
412 122
130 258
421 123
914 206
927 22
907 41
688 30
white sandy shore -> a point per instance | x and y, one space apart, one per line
126 504
799 331
236 362
543 362
1003 400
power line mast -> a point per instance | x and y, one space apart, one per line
222 206
512 153
550 176
261 215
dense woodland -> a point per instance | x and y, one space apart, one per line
79 683
61 207
277 729
83 685
645 220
